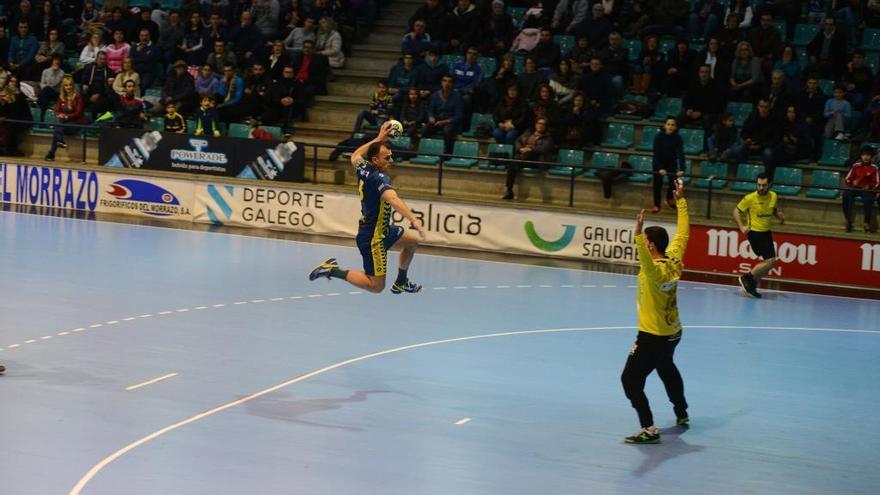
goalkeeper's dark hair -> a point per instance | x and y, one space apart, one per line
659 237
374 150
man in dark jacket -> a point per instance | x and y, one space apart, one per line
704 102
827 51
761 134
546 52
179 89
310 70
445 113
145 56
434 15
430 73
858 80
255 99
247 40
463 26
615 59
284 101
96 90
777 93
596 85
810 104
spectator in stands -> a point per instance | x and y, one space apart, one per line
596 85
246 40
23 51
580 123
668 161
599 27
445 113
311 73
730 37
581 54
194 44
745 74
546 52
679 66
511 116
322 8
704 102
50 83
564 82
790 67
705 19
434 15
174 122
864 180
266 14
381 107
796 142
51 46
146 57
827 50
294 41
548 108
529 80
117 50
220 57
570 15
615 59
69 109
93 47
411 113
810 104
207 83
649 69
765 41
495 87
777 93
838 111
278 59
207 123
667 17
179 89
499 31
329 43
255 98
96 89
127 73
417 41
720 145
761 135
230 93
718 64
216 29
144 22
24 11
285 101
403 75
789 10
171 36
534 145
463 27
129 108
430 73
857 80
220 8
466 76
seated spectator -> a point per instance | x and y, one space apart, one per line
89 17
311 73
381 107
719 65
179 89
220 57
445 113
529 80
403 76
117 51
127 73
433 13
667 17
96 89
219 8
13 105
796 142
679 63
705 19
207 123
720 145
534 145
69 109
418 41
857 80
495 87
790 67
827 51
129 108
246 40
547 108
52 46
146 57
194 44
285 101
564 82
777 93
838 111
649 70
266 14
745 74
546 52
230 93
810 104
499 31
668 161
207 83
730 37
596 85
704 102
765 41
463 26
570 16
743 11
411 113
580 55
761 135
216 30
328 43
466 76
599 27
511 116
23 51
171 36
430 73
145 22
580 123
294 41
255 98
113 21
278 59
90 51
174 122
863 179
615 59
50 84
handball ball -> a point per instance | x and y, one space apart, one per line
396 129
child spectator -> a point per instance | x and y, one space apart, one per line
864 181
206 118
174 122
838 112
725 136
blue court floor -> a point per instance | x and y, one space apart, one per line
147 360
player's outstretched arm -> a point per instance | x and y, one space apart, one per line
362 149
683 228
391 196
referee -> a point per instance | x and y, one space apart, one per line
760 206
659 325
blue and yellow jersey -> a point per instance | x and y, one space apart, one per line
657 298
375 211
760 210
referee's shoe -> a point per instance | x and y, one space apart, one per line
644 436
747 282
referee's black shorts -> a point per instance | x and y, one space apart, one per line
762 244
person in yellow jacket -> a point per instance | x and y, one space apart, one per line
659 325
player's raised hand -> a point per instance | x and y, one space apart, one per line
679 188
384 131
640 220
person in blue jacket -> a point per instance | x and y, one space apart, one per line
445 113
22 51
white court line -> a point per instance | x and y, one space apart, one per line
463 421
183 310
315 295
30 341
112 322
354 292
439 288
588 286
274 299
150 382
523 286
478 287
62 334
460 287
258 301
145 316
295 297
166 312
331 294
13 346
502 286
566 286
201 307
546 286
46 337
609 286
80 329
219 305
239 303
96 325
130 318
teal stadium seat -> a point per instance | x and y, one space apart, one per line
518 14
693 140
487 66
740 111
634 47
568 161
646 143
629 97
665 107
746 173
825 184
717 170
476 120
788 181
601 159
239 130
827 86
468 149
619 136
564 42
834 153
273 130
688 171
871 40
403 143
427 148
666 45
804 34
781 27
643 168
156 124
496 151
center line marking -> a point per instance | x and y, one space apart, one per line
479 287
96 325
463 421
112 322
546 286
295 297
201 307
333 294
502 286
240 302
46 337
567 286
165 312
523 286
315 295
62 334
150 382
439 288
274 299
28 341
459 287
183 310
219 305
354 292
80 329
145 316
130 318
258 301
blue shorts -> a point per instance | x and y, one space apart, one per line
374 250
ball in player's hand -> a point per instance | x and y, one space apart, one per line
395 129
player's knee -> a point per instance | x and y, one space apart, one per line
377 286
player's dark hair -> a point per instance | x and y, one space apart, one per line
659 237
762 175
374 150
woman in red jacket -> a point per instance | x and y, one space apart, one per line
68 110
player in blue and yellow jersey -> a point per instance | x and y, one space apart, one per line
760 206
659 324
376 235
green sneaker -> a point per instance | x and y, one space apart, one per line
683 421
644 436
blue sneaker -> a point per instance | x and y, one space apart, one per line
324 269
407 286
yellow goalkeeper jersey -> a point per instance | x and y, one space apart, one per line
658 280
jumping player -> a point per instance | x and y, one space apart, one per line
659 325
761 206
376 235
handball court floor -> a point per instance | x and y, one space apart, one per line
146 360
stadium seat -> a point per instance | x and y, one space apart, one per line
403 143
697 46
872 60
35 116
712 169
871 40
601 159
487 65
470 149
834 153
497 151
688 171
781 27
73 63
642 164
273 130
191 125
666 45
568 160
693 141
619 136
646 143
740 111
427 148
451 60
156 124
519 65
665 107
239 130
139 3
518 14
564 42
476 120
631 97
788 181
827 86
170 4
634 47
746 173
804 34
827 182
153 92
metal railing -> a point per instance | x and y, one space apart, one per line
48 127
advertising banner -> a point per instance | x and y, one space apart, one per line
228 157
801 257
90 191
